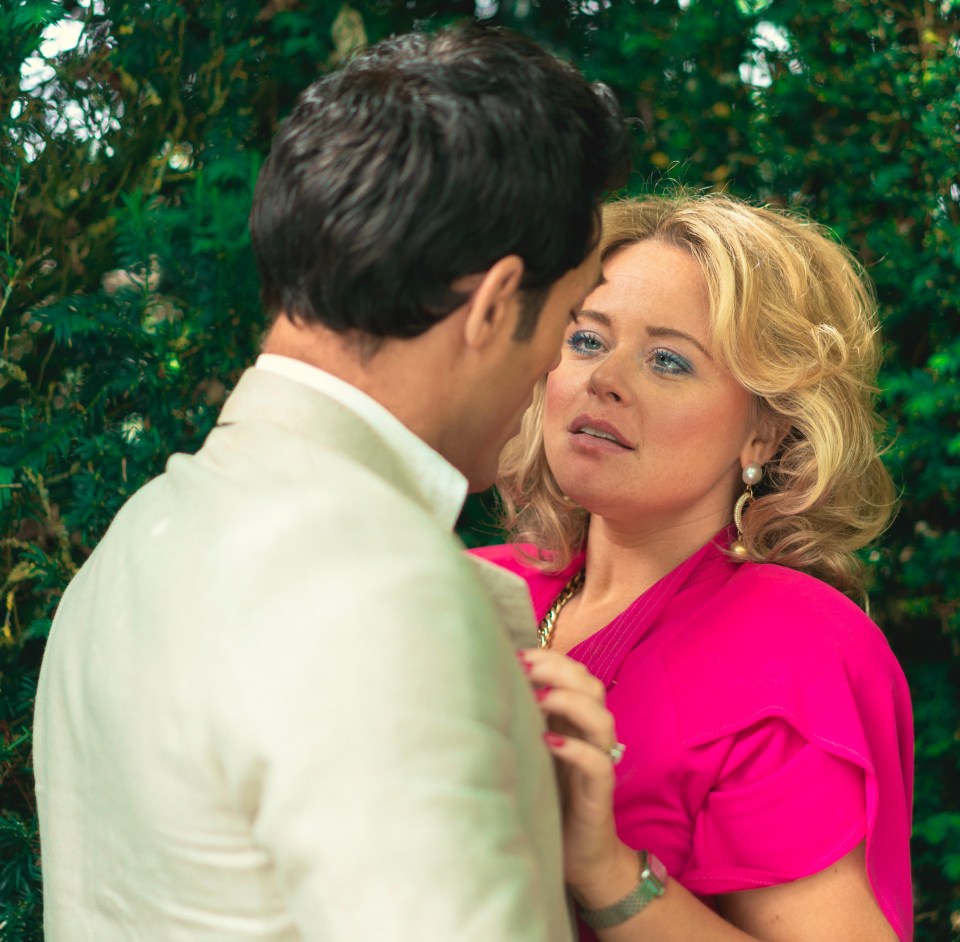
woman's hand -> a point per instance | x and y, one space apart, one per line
581 733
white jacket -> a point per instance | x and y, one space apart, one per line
279 703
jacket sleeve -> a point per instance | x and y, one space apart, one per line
392 765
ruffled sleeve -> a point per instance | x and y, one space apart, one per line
783 808
779 661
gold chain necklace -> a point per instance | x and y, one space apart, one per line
549 621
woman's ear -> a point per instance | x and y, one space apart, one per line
769 431
494 303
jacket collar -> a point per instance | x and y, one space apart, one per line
376 438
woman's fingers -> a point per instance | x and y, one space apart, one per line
581 713
572 698
596 778
557 670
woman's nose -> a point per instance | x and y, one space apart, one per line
606 380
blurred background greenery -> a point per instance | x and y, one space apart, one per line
131 138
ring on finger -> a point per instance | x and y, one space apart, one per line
615 752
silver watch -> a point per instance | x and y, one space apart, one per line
653 882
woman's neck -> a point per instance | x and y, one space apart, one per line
621 564
625 562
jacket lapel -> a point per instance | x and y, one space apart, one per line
511 599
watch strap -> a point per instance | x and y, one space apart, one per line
653 880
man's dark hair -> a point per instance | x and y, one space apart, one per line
426 158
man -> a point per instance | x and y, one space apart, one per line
278 703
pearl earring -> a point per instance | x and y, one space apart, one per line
752 474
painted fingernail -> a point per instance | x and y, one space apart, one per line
524 663
554 739
541 692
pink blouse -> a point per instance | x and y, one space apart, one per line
768 726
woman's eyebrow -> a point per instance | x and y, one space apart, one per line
602 319
673 332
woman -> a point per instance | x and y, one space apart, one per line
689 490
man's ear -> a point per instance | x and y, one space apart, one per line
494 303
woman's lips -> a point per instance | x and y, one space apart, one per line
599 431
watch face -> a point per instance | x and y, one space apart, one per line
657 870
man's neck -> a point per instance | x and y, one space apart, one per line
390 371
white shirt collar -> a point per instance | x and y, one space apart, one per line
444 487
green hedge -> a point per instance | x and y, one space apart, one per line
128 300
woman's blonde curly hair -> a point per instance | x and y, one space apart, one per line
794 320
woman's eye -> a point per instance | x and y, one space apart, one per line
672 364
584 342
